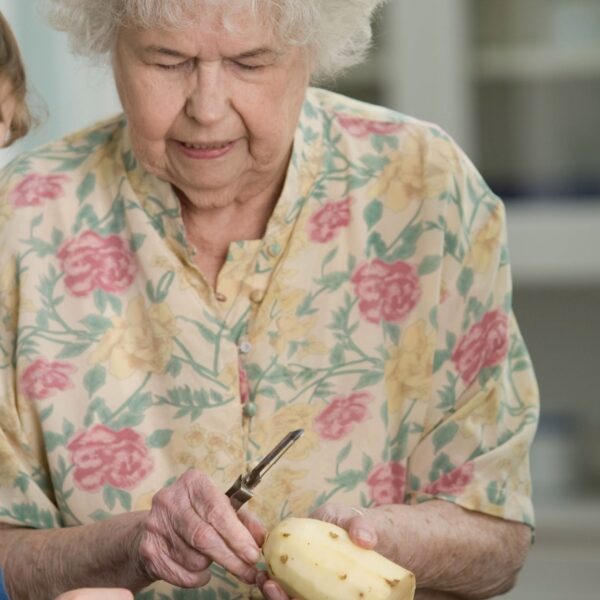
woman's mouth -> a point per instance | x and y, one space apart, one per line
205 150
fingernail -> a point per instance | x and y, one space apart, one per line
251 554
366 536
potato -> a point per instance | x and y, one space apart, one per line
314 560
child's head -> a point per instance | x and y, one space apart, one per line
14 114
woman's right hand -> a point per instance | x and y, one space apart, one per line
191 524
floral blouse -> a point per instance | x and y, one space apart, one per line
375 313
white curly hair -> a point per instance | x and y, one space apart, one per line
336 32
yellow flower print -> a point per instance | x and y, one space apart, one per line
9 293
401 181
144 501
9 466
291 328
486 243
270 431
6 213
182 272
309 170
210 451
476 499
142 342
282 491
408 368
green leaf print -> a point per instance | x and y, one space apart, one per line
111 495
100 515
375 162
373 213
94 379
336 356
100 300
347 480
74 350
444 435
333 281
441 465
96 324
342 455
86 187
465 281
29 514
97 407
136 241
429 264
496 493
160 438
368 379
160 293
115 218
375 243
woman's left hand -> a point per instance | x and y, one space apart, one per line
361 528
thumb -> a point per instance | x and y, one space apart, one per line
355 521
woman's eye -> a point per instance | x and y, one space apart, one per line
172 67
246 67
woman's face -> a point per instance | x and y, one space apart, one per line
210 110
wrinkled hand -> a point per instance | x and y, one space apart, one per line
190 525
97 594
359 525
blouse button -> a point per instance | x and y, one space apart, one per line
274 249
256 296
245 347
250 409
220 297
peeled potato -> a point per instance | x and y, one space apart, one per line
314 560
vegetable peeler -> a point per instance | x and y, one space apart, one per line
242 490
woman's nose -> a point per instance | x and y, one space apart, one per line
208 100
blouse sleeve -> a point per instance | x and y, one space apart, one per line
26 497
483 408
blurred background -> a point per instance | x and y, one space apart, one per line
517 84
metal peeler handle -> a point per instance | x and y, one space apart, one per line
242 490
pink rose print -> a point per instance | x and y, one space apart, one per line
105 457
386 291
42 379
364 127
484 345
244 385
453 482
92 262
326 222
387 482
35 189
337 419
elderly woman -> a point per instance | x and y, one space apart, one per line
236 256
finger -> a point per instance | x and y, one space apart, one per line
158 551
171 572
210 543
185 555
273 591
360 528
254 525
97 594
215 508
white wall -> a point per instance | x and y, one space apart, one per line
70 91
